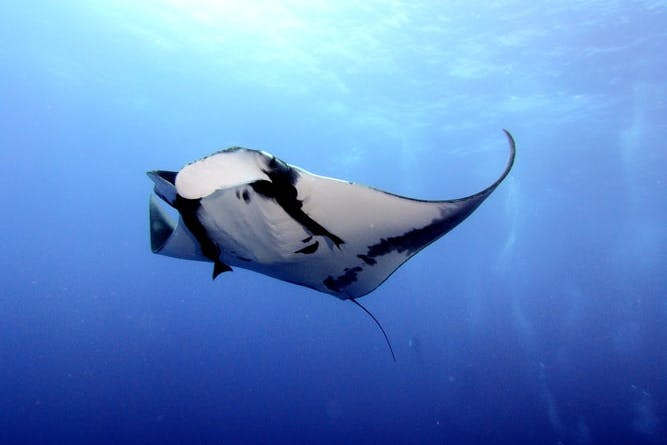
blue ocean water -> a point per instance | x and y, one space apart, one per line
542 319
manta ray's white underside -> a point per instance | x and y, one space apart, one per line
247 208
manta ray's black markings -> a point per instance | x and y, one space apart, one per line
247 208
409 242
366 259
281 188
310 249
188 209
414 239
245 195
339 283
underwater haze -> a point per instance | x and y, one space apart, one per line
541 319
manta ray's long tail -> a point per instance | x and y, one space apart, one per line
379 326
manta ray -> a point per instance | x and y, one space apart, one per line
247 208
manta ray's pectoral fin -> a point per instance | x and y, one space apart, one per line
220 267
381 230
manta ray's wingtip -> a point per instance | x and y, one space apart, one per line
510 160
507 132
512 144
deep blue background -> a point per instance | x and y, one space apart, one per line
541 319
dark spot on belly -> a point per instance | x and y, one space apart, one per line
368 260
309 249
342 281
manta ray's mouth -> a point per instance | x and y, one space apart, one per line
161 225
